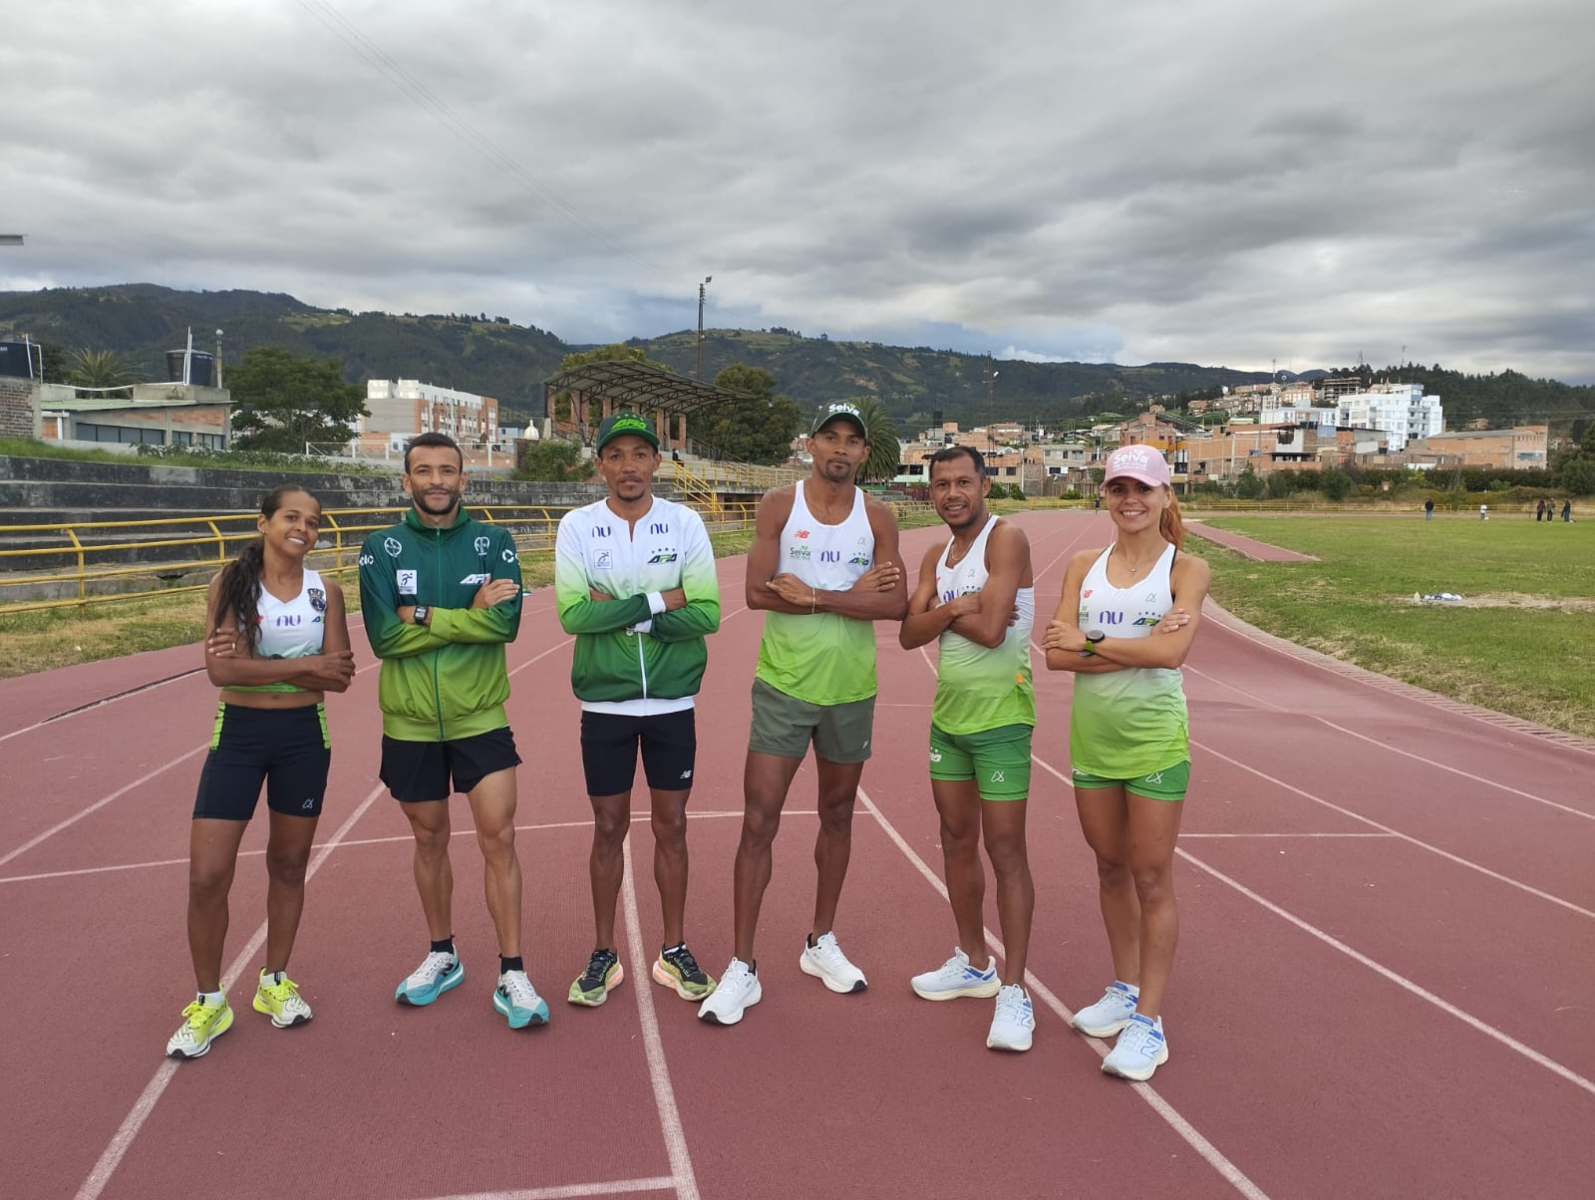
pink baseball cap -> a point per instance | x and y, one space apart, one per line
1142 463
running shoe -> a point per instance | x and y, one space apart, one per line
676 968
518 1001
1140 1050
1109 1014
955 978
202 1024
278 997
737 991
1014 1021
825 961
439 971
603 974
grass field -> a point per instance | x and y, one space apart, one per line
1521 642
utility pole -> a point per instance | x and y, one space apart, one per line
218 359
707 280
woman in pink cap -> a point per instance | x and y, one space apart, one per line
1127 738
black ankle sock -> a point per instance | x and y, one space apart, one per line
445 946
510 964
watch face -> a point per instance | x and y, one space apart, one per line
1094 635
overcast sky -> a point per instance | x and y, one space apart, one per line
1229 183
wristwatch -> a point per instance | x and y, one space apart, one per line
1092 637
423 614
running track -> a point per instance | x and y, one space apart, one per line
1384 985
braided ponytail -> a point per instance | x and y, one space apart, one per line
240 579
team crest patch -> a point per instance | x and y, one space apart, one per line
481 545
318 599
406 581
603 560
393 546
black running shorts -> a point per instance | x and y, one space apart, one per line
287 749
669 743
417 772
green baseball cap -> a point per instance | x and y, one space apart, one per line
623 423
842 411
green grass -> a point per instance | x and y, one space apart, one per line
1522 643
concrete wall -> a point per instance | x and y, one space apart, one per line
18 418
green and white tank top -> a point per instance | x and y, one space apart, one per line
1127 723
823 658
978 687
290 628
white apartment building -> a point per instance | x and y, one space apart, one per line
1401 411
402 408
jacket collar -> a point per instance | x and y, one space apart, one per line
461 519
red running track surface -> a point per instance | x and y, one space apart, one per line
1383 986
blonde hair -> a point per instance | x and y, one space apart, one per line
1170 524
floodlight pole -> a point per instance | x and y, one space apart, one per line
707 280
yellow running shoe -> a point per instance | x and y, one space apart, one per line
202 1024
675 968
278 997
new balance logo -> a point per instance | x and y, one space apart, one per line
686 774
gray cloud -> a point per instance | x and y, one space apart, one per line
1234 182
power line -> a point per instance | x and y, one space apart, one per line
427 100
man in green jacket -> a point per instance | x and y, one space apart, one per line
634 580
441 596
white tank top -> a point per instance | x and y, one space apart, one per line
1126 612
979 688
829 558
293 628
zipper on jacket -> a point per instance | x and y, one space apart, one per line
437 693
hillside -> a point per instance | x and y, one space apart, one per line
489 355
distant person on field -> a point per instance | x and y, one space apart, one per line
1428 509
1128 742
441 594
976 598
276 643
634 580
1539 511
1484 512
1567 511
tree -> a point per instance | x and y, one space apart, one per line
881 433
284 400
758 428
1247 485
1578 475
554 461
98 369
1334 483
1278 485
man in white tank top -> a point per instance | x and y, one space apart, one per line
823 566
976 596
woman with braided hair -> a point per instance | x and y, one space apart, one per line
276 643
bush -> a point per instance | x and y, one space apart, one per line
554 461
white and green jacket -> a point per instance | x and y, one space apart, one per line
631 655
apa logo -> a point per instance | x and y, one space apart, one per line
482 544
406 581
830 556
659 527
859 560
393 546
603 560
935 756
509 555
602 530
799 552
1147 620
475 580
318 599
803 533
664 556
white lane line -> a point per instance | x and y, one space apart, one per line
1209 1152
1185 834
142 690
658 1183
1405 837
1588 816
101 803
1402 981
686 1183
150 1096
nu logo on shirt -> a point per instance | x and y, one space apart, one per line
831 556
659 527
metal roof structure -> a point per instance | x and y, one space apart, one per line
639 386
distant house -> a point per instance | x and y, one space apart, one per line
156 414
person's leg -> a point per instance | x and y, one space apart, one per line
669 820
493 807
765 780
1154 826
434 876
958 807
212 856
606 863
1003 827
833 845
287 855
1104 819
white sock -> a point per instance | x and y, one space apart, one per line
213 998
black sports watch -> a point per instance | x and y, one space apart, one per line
423 614
1092 637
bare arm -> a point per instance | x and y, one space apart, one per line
1007 566
764 555
1063 640
1189 582
927 617
230 660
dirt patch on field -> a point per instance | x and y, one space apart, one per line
1508 600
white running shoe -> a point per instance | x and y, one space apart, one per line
955 978
1140 1050
825 961
737 991
1109 1014
1014 1021
439 971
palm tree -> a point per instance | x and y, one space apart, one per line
881 433
99 369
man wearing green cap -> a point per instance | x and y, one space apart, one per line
634 580
824 566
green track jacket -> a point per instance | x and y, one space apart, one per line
445 680
631 656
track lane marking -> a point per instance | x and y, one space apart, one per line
122 1141
657 1183
682 1177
